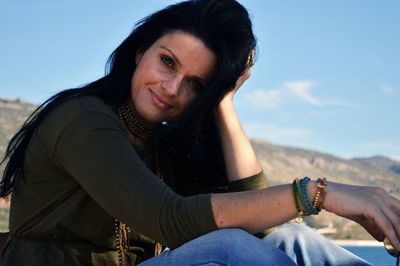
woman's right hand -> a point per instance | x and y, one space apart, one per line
372 207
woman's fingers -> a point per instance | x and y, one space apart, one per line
391 212
394 204
372 207
246 74
387 227
371 227
380 213
239 83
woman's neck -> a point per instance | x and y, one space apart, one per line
138 132
145 123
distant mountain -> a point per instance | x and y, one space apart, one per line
281 164
382 161
13 114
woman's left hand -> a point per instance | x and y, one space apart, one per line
240 81
372 207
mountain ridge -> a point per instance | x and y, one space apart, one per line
382 161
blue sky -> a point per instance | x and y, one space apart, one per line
327 75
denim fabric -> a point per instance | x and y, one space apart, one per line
306 247
291 244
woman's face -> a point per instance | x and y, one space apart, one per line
168 77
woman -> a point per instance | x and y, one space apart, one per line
115 171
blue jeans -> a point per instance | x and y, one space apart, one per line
291 244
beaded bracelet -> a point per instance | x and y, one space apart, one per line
300 211
296 199
318 202
304 182
306 210
303 205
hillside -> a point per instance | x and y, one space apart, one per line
13 114
281 164
382 161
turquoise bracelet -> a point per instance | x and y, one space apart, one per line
307 210
304 182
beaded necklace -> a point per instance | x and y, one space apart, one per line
122 232
128 117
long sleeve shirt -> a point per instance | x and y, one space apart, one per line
81 173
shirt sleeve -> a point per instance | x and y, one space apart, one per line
95 150
255 182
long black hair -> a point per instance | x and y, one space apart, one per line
223 26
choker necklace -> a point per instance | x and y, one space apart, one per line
128 117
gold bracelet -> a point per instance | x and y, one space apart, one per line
318 202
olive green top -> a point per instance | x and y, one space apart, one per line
82 172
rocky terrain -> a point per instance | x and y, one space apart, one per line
281 164
13 114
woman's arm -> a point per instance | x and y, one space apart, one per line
255 210
376 210
239 156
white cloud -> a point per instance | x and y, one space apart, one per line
265 99
273 132
288 93
301 89
388 90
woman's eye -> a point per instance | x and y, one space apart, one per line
196 85
167 61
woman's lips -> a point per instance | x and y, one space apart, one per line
160 101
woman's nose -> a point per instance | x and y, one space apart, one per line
171 85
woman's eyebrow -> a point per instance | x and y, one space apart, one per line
172 53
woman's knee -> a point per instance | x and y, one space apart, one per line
238 247
292 233
299 228
220 245
228 236
230 241
295 229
